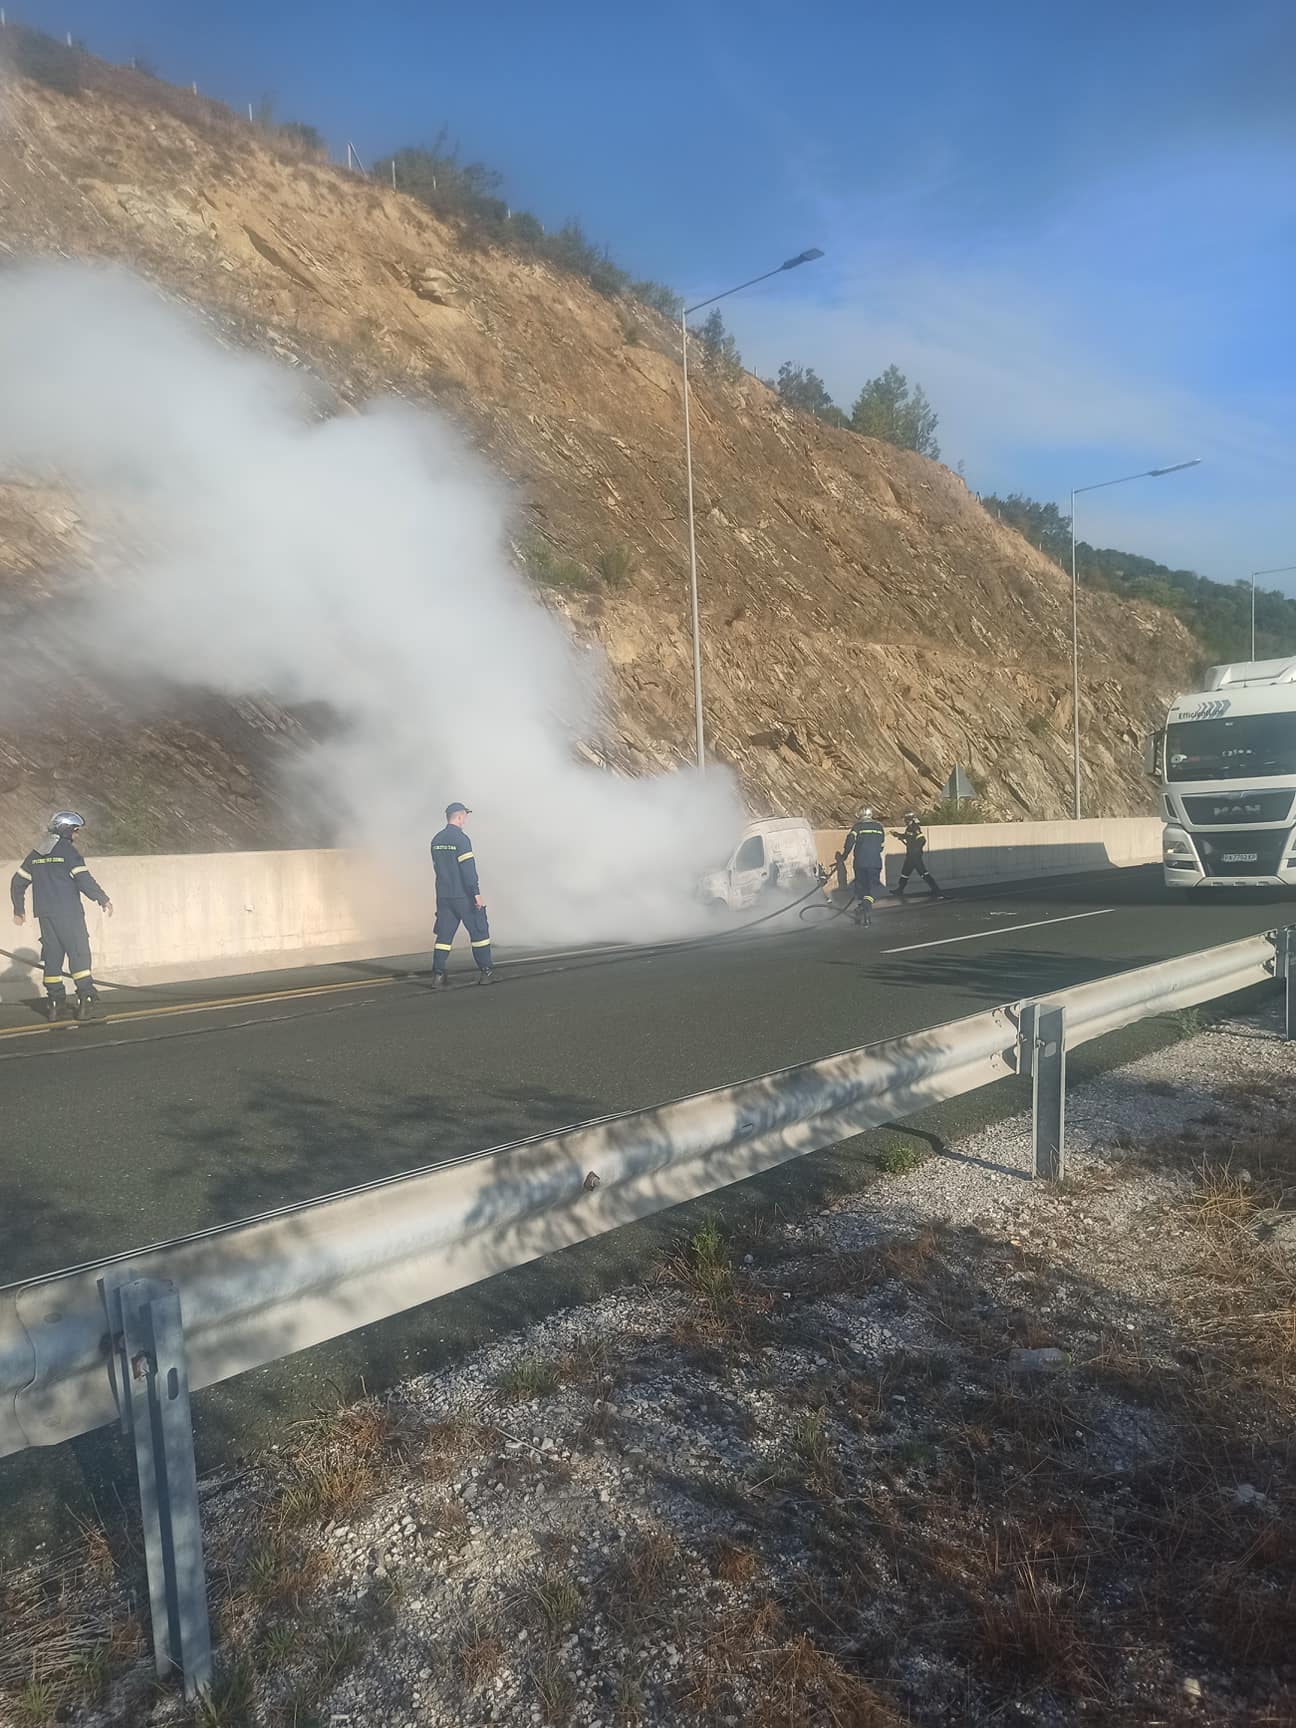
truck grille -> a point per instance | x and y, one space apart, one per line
1244 852
1220 809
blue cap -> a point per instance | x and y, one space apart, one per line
457 810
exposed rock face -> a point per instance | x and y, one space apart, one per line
866 624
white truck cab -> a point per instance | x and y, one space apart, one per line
774 853
1226 766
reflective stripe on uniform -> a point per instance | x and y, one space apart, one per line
56 979
482 942
463 856
77 869
79 975
442 947
25 874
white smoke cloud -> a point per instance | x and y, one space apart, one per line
357 561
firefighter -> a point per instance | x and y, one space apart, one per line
458 899
862 849
915 844
58 876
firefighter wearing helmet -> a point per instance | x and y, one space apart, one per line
862 849
915 860
58 877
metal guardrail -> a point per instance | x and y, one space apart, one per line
103 1342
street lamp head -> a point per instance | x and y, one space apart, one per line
802 258
1156 473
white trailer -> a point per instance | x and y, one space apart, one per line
1225 763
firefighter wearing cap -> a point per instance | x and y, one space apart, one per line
458 899
862 849
915 845
58 877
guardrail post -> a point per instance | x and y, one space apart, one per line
1043 1047
1286 944
153 1390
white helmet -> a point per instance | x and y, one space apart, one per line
66 822
866 814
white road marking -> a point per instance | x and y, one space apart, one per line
1001 930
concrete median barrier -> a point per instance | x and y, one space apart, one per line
216 914
960 855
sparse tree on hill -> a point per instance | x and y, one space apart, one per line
802 387
719 349
1043 525
307 136
659 298
888 407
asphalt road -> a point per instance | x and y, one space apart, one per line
198 1105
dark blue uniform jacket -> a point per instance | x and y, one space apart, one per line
864 843
455 865
57 878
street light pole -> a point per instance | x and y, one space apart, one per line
1098 485
1278 570
699 730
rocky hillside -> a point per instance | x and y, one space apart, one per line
866 624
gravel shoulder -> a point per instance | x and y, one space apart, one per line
962 1448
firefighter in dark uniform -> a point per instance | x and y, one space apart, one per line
915 844
458 899
862 850
58 876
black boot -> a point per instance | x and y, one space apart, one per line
486 975
89 1008
54 1006
440 980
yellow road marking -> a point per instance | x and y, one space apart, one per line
201 1007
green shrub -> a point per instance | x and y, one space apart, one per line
49 62
298 132
898 1157
526 229
956 810
555 571
658 298
1038 725
615 564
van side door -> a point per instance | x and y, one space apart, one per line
748 872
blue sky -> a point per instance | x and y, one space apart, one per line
1075 226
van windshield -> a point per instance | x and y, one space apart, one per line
1240 748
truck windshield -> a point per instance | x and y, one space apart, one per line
1242 748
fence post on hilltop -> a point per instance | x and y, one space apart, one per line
1285 971
1043 1057
149 1363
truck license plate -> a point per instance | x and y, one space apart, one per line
1240 858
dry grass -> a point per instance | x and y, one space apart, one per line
734 1564
641 1584
1031 1628
340 1461
478 1657
67 1629
753 1668
555 1602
